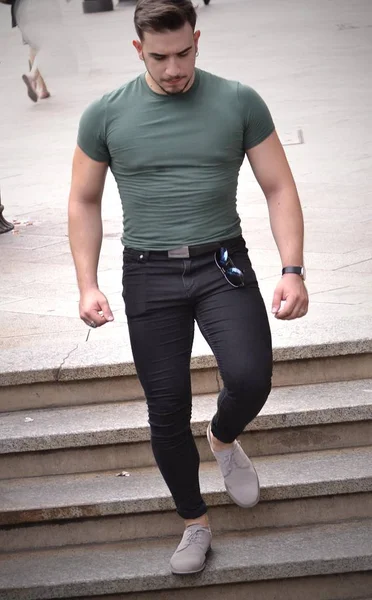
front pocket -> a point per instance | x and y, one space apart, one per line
134 289
242 261
130 266
131 260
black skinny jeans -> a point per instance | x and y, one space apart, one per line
163 298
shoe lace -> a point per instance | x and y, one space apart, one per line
231 460
195 537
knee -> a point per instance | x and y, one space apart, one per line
169 421
254 384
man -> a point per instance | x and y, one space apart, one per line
175 138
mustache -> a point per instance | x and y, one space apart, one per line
174 79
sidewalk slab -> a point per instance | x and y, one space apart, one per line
113 357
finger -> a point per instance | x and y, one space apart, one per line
277 299
92 319
297 312
106 311
99 318
303 308
91 324
287 308
303 312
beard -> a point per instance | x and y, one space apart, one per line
167 92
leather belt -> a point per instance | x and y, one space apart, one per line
188 251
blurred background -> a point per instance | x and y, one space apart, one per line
310 62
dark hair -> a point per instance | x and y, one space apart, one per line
163 15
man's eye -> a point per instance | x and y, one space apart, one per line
159 57
184 54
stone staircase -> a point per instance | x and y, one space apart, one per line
84 512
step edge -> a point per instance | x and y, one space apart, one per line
219 576
164 503
141 433
61 372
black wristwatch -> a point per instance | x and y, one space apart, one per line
296 270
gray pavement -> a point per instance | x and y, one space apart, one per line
309 60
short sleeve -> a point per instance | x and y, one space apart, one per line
91 136
258 122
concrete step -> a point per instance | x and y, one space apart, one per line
110 435
133 567
102 507
345 586
71 375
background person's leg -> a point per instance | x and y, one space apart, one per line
31 58
235 324
41 88
36 87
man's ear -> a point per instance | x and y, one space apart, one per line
196 38
138 47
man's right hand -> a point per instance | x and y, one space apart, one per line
94 308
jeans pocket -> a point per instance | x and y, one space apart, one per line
134 286
242 261
130 261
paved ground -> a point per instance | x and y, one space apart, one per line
310 61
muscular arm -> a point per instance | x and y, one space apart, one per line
85 233
84 216
271 169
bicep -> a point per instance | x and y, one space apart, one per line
88 177
269 165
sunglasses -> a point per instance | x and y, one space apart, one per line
231 273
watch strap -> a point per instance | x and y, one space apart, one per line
295 270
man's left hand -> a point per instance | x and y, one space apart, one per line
292 291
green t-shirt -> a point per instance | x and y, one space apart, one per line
176 159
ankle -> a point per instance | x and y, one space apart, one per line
44 93
218 446
203 521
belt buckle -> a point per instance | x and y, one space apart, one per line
181 252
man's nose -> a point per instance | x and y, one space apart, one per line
173 69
